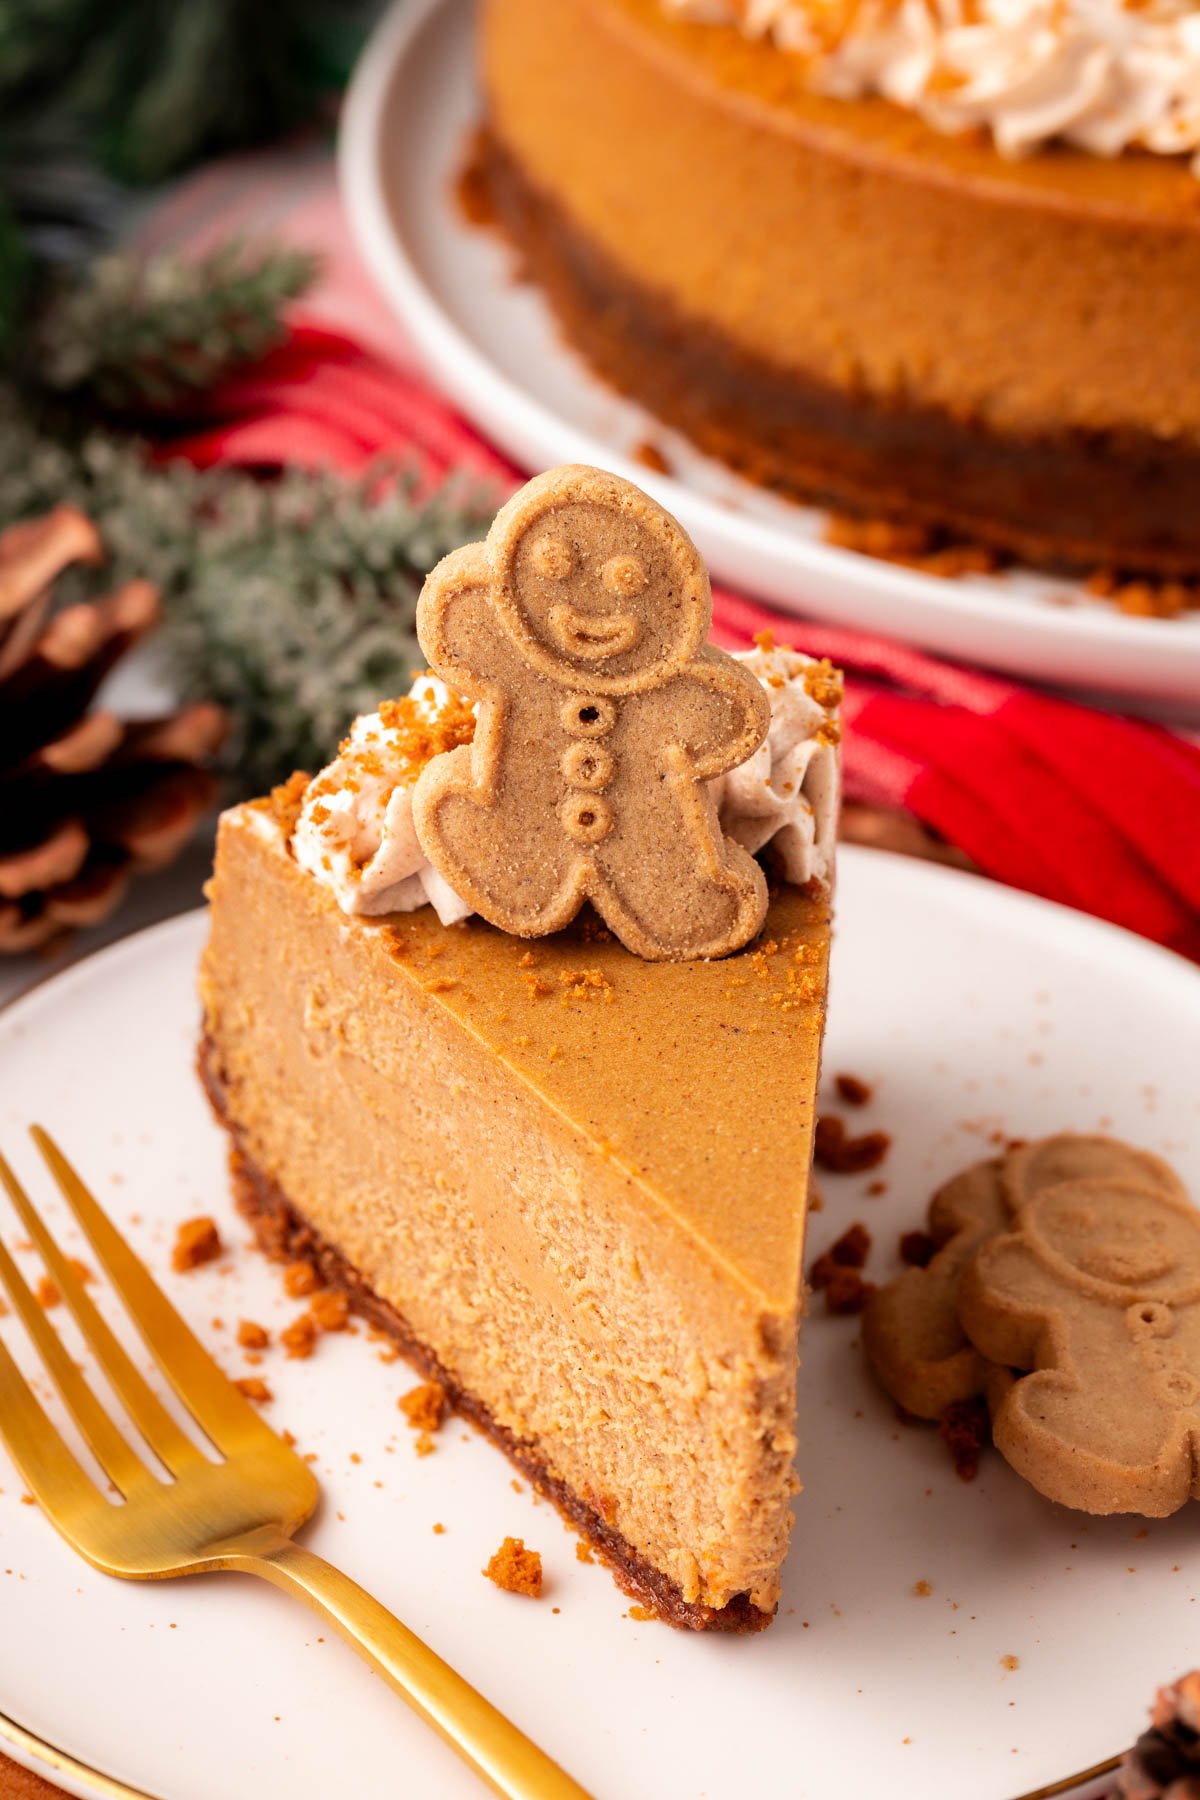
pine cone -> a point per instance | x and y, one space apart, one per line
85 798
1164 1764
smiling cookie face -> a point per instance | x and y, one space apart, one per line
1122 1235
601 586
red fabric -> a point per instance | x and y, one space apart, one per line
1096 811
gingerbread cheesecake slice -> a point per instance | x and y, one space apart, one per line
569 1178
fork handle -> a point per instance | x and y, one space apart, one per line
493 1746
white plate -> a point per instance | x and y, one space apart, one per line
491 345
976 1011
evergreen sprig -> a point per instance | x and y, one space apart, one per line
292 602
148 88
142 333
13 272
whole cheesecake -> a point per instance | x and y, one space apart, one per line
848 305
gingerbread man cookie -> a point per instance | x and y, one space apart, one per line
1095 1291
912 1334
579 627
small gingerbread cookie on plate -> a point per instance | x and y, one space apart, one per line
1080 1156
912 1332
1094 1295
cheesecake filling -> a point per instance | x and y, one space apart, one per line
356 836
1103 75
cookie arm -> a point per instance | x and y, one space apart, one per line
456 626
723 711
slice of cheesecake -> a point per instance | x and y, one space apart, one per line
571 1183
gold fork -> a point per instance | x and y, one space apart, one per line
237 1513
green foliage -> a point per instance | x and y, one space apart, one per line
14 269
147 87
143 333
291 602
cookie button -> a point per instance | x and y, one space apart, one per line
1149 1319
1178 1387
586 817
587 766
587 715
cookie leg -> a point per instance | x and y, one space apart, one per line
516 869
1076 1449
668 883
706 916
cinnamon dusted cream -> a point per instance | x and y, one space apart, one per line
355 831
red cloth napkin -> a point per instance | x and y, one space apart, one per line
1094 810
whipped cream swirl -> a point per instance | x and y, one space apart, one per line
1103 75
355 833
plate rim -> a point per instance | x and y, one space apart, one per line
52 1763
977 895
520 423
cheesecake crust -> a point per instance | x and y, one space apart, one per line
285 1236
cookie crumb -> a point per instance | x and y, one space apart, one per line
853 1089
46 1293
252 1336
1010 1663
846 1291
849 1252
330 1310
516 1569
853 1247
642 1614
922 1589
965 1429
583 1553
834 1150
912 546
651 457
253 1387
197 1241
439 1530
299 1338
300 1279
425 1406
917 1249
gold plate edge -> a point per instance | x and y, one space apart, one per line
1068 1783
107 1786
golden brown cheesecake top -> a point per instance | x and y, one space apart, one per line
638 1056
688 1073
